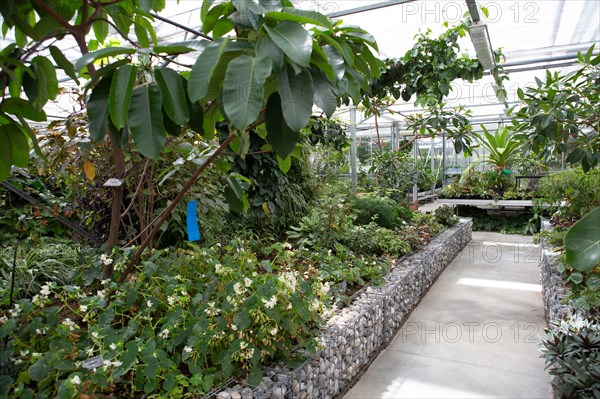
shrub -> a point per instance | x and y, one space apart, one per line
571 350
379 209
579 190
419 231
373 239
323 227
444 215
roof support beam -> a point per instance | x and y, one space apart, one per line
370 7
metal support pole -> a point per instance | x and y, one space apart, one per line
433 167
353 170
416 186
444 159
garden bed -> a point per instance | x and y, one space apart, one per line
355 336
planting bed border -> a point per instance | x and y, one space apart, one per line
553 285
355 336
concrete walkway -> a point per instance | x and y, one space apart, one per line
474 335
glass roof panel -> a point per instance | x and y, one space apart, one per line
531 33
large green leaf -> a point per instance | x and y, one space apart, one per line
145 120
102 53
63 63
101 28
47 82
97 108
18 145
282 138
361 34
210 119
267 48
300 16
5 154
121 91
196 122
324 96
181 47
19 106
173 94
14 149
40 369
204 70
320 59
214 14
336 60
293 40
582 242
140 34
296 93
243 89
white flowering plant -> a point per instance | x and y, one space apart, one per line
187 320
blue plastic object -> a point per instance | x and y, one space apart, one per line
192 221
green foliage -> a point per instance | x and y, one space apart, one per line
502 223
371 238
559 115
445 215
420 230
428 69
485 184
382 210
553 237
25 69
582 242
37 263
190 320
329 133
436 119
323 227
276 199
394 170
571 350
253 59
580 191
503 147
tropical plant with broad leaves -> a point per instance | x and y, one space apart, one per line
503 147
582 242
559 116
428 69
426 72
265 66
437 119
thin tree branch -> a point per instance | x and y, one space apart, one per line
123 35
138 188
172 61
169 209
233 154
180 26
54 15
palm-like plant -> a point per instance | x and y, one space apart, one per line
503 147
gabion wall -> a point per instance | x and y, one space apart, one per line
355 336
553 286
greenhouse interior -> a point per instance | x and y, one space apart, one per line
269 199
